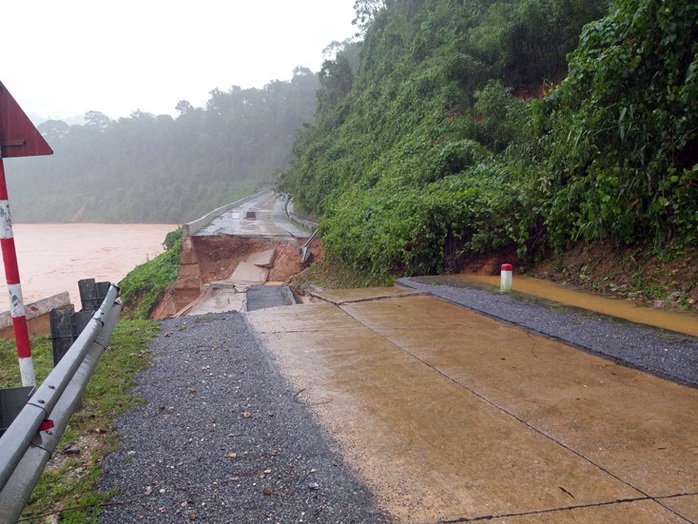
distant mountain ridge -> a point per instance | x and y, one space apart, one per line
158 169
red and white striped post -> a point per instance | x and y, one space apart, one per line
18 137
14 288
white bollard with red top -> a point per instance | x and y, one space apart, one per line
506 278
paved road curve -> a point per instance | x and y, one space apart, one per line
264 215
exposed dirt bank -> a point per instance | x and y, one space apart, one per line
628 273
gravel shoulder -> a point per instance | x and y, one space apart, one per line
662 353
222 438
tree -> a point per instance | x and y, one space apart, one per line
366 11
336 79
142 116
97 120
53 130
183 107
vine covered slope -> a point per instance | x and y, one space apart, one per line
513 126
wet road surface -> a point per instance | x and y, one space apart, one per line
678 321
667 354
264 215
452 416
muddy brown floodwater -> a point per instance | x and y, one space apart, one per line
679 321
53 257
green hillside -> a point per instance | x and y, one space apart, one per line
457 128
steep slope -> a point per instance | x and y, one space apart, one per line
426 151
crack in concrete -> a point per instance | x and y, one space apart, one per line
345 302
534 343
569 508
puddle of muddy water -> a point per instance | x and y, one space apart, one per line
680 322
53 257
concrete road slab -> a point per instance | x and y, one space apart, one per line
636 512
432 449
218 301
246 273
667 355
638 427
345 296
319 317
686 506
262 259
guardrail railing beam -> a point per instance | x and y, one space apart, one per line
26 446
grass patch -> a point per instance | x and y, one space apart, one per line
42 355
68 486
141 288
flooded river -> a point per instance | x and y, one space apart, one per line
53 257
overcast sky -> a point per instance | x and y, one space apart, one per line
62 58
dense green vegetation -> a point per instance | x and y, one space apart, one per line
433 140
141 288
451 128
620 135
148 168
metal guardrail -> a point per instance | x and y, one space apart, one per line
305 248
293 216
31 439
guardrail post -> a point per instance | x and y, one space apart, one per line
305 249
66 324
62 331
92 293
12 400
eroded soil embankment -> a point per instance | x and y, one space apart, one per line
208 259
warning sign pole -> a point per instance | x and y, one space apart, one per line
14 288
18 137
